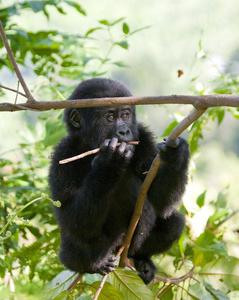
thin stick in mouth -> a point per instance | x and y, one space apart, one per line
82 155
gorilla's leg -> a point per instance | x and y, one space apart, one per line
163 235
87 258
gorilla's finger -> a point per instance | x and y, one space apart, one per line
172 143
161 147
113 143
104 145
122 148
128 154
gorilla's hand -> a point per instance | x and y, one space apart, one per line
110 148
173 152
107 266
112 155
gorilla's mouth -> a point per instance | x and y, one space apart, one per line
120 139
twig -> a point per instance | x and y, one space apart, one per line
175 280
73 284
192 117
82 155
100 287
162 291
15 66
120 251
17 92
12 90
187 291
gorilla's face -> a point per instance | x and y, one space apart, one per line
99 124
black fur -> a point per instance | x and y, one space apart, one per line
98 193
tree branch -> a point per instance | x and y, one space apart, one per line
199 102
15 66
185 123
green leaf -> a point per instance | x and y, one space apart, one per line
199 291
234 111
36 6
104 22
108 291
200 45
123 44
220 115
58 285
167 293
201 199
120 64
109 24
60 10
34 230
222 274
170 128
222 198
117 21
92 30
77 7
55 130
180 243
62 296
131 285
5 162
125 28
219 295
215 220
207 248
139 29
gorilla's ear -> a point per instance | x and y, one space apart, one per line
75 118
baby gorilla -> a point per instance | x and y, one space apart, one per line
98 193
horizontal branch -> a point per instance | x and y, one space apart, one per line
199 102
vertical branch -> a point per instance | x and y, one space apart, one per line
15 66
96 295
73 284
184 124
138 208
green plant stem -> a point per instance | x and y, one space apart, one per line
109 51
18 212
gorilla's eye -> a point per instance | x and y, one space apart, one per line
125 116
110 117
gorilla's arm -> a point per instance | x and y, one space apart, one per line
83 187
169 184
